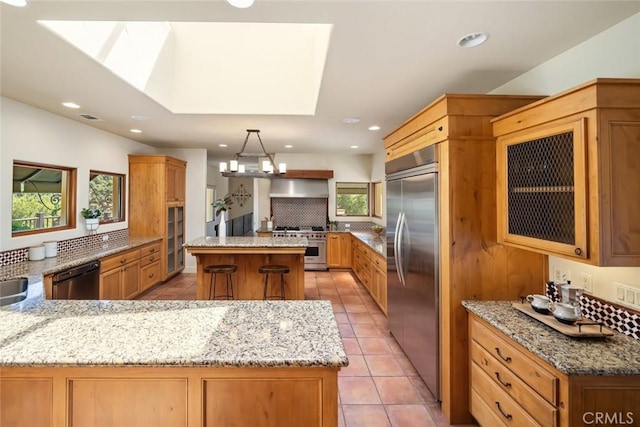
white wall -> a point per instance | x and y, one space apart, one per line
378 175
195 208
612 53
34 135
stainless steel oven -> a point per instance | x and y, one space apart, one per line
315 257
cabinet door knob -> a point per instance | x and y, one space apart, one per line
578 251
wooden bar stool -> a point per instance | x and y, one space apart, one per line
228 270
273 269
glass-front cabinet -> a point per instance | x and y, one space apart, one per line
175 239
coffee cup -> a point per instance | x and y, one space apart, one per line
539 303
565 313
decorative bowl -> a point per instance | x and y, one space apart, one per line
378 229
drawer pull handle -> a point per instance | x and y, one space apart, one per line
504 414
502 382
152 259
122 261
151 276
506 359
152 250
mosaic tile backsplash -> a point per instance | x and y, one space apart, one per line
21 255
302 212
621 319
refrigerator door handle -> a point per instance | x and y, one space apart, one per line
405 241
395 246
399 244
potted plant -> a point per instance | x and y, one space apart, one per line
91 218
221 206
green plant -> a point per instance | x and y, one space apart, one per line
223 204
89 213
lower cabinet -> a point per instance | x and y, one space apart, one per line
371 269
338 250
512 387
126 274
168 396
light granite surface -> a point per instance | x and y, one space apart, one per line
248 242
34 270
171 333
616 355
374 241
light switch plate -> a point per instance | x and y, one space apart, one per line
619 292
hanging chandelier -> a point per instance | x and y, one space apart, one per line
250 168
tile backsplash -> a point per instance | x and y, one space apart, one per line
15 256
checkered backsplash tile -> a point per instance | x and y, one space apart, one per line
302 212
20 255
621 319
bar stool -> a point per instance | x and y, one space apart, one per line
228 270
273 269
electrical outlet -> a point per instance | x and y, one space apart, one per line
619 291
587 282
347 226
560 275
630 296
105 237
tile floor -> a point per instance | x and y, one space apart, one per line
380 387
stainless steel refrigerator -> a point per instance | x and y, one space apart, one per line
412 261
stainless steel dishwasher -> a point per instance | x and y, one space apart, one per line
81 282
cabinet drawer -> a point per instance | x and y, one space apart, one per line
499 402
535 405
379 262
152 249
119 260
149 275
482 412
146 260
527 369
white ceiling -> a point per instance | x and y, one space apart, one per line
386 60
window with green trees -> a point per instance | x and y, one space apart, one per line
43 198
106 192
352 199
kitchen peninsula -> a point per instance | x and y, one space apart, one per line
169 363
248 254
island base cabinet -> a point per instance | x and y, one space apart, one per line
263 403
25 402
166 396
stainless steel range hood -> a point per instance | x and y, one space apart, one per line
299 188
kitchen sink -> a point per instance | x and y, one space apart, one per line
14 290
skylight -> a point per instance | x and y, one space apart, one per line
210 68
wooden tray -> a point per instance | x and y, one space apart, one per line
583 328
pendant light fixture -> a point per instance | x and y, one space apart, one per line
268 165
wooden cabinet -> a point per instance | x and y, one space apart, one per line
150 266
120 275
167 396
472 263
370 268
339 250
156 206
512 387
567 173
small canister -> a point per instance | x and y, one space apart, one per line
36 253
50 248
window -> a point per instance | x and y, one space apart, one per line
43 198
376 189
352 199
106 192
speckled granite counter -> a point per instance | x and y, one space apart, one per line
248 242
34 270
186 333
617 355
375 241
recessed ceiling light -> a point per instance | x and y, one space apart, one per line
136 131
18 3
374 127
222 145
241 4
354 146
139 118
288 146
473 39
350 120
71 105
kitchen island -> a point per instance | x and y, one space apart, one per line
169 363
248 254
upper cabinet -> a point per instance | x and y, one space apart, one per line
176 180
569 175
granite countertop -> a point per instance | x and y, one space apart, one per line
616 355
375 241
248 242
171 333
34 270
